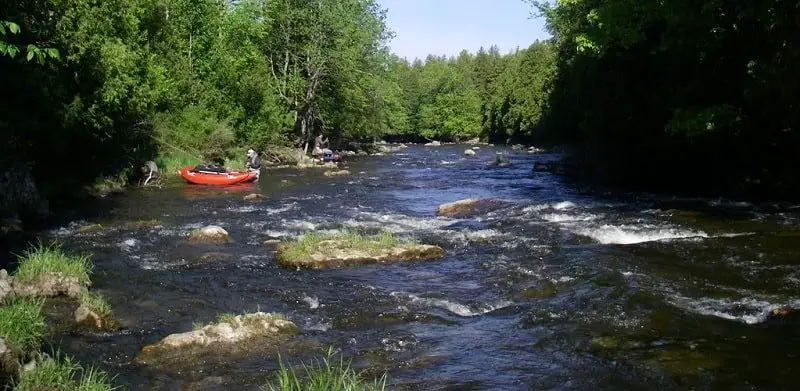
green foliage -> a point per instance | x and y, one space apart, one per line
22 323
327 375
41 259
666 95
33 51
63 374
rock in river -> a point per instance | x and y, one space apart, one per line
467 207
211 233
337 173
231 334
338 253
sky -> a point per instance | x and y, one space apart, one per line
445 27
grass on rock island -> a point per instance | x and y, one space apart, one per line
313 243
51 259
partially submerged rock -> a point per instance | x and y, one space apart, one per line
211 234
90 318
467 207
89 228
235 333
336 173
270 242
253 197
469 152
500 161
213 256
141 224
433 144
339 253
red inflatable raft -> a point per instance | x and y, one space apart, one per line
200 177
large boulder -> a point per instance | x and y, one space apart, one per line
229 336
467 207
340 253
210 234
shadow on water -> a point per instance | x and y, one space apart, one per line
559 289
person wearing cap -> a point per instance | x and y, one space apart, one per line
253 162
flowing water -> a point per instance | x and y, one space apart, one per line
563 288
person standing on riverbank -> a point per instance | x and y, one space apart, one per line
318 143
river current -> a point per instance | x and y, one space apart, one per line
563 288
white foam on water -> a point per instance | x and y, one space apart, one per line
748 310
277 234
630 234
564 205
129 245
395 223
562 217
453 307
243 209
281 209
312 302
299 225
317 325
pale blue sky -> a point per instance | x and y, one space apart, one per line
446 27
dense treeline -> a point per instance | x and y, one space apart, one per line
694 96
488 95
134 78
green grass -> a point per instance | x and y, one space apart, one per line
96 303
22 323
169 164
51 259
327 375
110 183
62 374
312 243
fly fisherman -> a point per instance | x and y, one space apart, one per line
253 162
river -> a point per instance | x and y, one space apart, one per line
564 288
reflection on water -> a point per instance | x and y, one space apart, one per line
561 288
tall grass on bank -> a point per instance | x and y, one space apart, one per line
51 259
327 375
312 243
62 374
22 323
170 164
